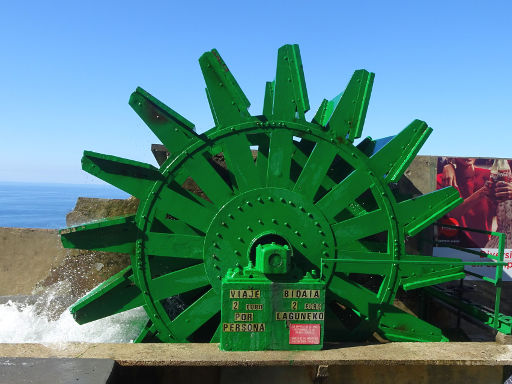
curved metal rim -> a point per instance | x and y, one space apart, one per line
309 131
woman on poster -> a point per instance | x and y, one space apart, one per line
485 196
478 209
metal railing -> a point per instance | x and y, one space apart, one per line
498 263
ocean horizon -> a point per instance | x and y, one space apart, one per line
45 205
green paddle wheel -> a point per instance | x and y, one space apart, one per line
301 185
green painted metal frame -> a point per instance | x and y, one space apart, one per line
495 319
310 184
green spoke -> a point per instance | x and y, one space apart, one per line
302 150
209 180
419 271
362 246
174 245
161 265
345 192
184 208
133 177
228 103
334 327
388 320
370 147
117 294
279 158
419 212
393 159
147 333
172 129
290 93
397 325
262 160
178 282
108 235
358 265
325 110
192 318
216 336
315 169
345 114
353 295
268 101
240 162
360 226
301 155
177 226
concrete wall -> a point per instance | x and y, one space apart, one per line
26 257
393 363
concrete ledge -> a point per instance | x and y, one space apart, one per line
392 354
55 371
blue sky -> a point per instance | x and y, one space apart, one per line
68 69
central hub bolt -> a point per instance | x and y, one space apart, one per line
273 259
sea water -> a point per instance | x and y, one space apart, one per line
28 205
31 205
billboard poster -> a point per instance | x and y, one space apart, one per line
486 187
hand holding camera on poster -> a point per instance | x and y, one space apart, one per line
449 178
503 191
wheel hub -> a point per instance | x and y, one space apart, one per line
271 214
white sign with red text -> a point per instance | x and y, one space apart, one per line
481 270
